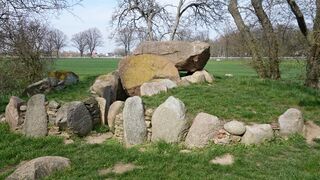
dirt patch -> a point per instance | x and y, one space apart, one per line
98 138
223 160
119 168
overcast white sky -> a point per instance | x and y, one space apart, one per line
91 13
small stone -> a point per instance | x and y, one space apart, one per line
23 108
148 123
222 137
53 105
235 139
149 112
224 160
185 151
235 127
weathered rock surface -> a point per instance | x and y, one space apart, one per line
75 117
93 107
257 133
198 77
102 82
114 109
235 127
39 168
156 87
311 132
12 112
36 123
186 56
135 130
169 122
136 70
202 130
102 106
291 122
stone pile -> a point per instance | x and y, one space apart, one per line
52 109
147 117
118 128
94 110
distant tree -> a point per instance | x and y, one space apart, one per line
59 40
126 38
93 39
79 41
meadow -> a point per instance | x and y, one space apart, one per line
243 97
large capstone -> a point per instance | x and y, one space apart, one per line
36 123
169 121
186 56
136 70
135 129
74 116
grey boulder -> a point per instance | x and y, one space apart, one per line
257 133
202 130
235 127
169 121
39 168
291 122
75 117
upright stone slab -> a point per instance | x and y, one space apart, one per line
135 129
75 117
36 123
114 109
291 122
12 112
169 122
202 130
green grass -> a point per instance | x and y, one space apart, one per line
243 97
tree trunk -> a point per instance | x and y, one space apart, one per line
271 38
177 21
249 39
149 30
313 61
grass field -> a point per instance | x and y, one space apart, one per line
243 97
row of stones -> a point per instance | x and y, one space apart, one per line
169 123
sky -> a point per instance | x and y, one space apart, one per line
90 14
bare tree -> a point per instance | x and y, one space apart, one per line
313 59
206 12
249 38
140 13
273 47
59 40
126 37
79 41
93 39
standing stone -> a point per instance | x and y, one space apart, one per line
36 123
186 56
257 133
135 130
114 109
102 106
169 122
235 127
76 117
12 112
39 168
291 122
202 130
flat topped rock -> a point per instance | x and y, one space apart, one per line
186 56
